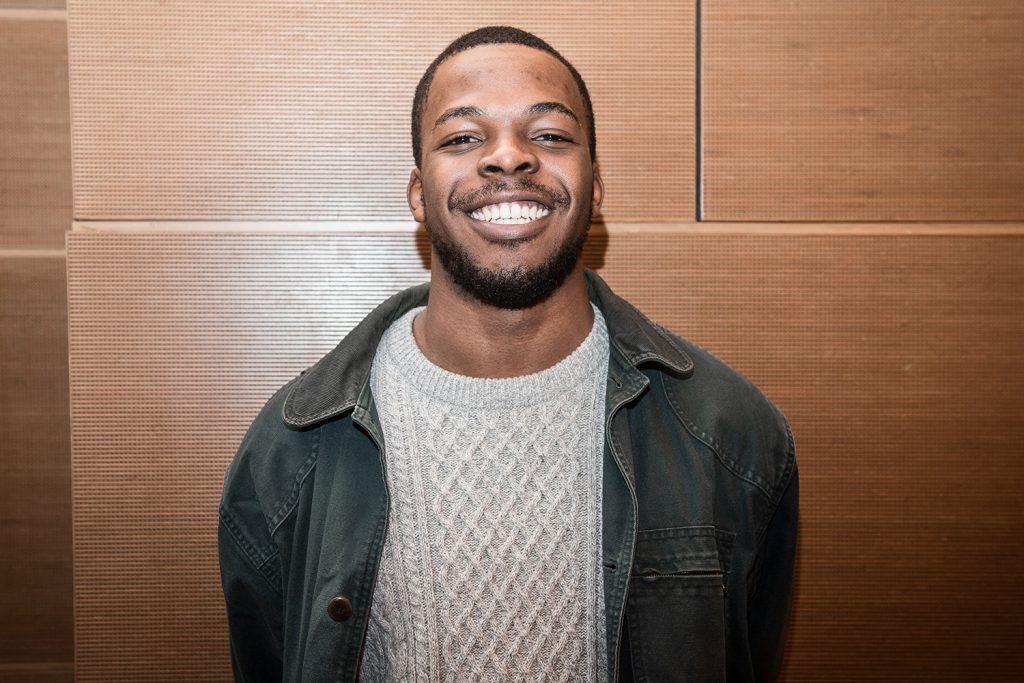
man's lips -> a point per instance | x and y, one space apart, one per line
509 201
510 212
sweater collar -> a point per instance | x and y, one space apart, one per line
333 385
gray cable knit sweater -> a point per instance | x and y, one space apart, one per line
491 564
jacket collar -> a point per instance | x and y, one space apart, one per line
333 385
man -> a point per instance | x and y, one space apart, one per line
520 477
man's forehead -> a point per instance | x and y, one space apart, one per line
487 66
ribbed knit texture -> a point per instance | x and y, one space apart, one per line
491 569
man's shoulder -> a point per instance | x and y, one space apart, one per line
723 408
271 460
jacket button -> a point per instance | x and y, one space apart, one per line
339 608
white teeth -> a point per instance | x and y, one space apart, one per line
510 212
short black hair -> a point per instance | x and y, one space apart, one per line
493 35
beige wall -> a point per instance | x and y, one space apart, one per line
831 198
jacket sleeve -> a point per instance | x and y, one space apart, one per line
251 579
769 602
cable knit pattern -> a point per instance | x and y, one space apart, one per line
491 569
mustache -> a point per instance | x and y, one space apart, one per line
482 195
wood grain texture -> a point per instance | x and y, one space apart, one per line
896 358
820 110
35 145
285 109
35 471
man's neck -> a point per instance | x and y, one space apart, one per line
470 338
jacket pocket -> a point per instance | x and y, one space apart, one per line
676 604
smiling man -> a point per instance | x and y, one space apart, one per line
511 474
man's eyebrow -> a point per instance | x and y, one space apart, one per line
533 110
552 107
458 113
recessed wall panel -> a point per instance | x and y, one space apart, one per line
176 342
35 146
31 4
35 471
291 110
870 111
896 359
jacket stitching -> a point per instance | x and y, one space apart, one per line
258 560
306 420
710 442
286 508
667 336
366 586
762 527
784 481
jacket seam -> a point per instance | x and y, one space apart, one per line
288 506
256 559
780 487
670 339
761 529
710 442
302 421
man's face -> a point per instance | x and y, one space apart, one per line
506 185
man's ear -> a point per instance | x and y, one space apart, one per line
598 195
414 193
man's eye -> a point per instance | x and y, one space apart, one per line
459 140
552 137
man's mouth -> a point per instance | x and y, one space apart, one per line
510 213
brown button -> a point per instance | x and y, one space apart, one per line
339 608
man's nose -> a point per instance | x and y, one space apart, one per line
508 156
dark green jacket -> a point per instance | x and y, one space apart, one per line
699 519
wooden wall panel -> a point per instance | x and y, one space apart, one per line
872 110
36 634
31 4
35 147
176 342
35 472
287 110
897 359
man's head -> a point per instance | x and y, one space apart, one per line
493 35
506 178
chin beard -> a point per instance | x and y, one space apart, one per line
509 288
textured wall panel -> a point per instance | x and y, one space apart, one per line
868 110
898 361
35 472
35 148
286 109
175 344
896 358
31 4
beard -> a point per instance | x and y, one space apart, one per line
512 288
